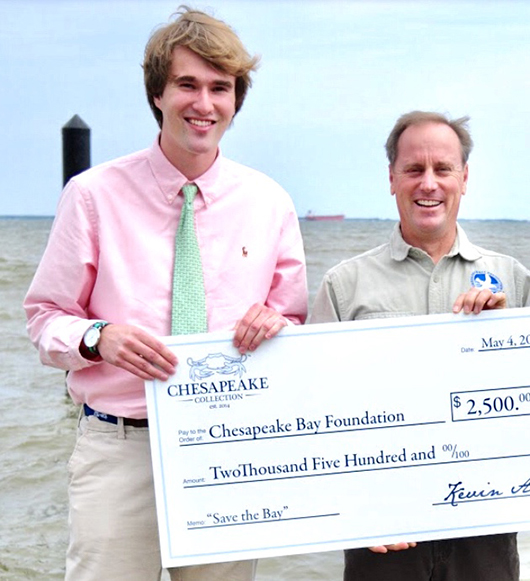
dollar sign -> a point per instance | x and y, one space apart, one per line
456 401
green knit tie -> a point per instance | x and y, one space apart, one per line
189 303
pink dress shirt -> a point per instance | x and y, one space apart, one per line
110 257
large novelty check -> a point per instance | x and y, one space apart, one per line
343 435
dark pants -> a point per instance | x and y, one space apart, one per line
489 558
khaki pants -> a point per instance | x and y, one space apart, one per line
112 520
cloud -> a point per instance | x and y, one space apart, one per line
334 77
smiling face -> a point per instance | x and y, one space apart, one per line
428 179
198 104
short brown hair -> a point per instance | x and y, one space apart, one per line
459 126
208 37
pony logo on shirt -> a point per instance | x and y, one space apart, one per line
486 280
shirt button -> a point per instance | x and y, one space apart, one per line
436 279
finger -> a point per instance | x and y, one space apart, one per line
481 300
264 326
402 546
277 325
250 335
137 352
470 299
157 350
496 301
459 303
149 355
164 359
398 547
143 368
257 339
475 301
134 368
137 358
465 301
244 324
250 326
270 327
486 299
379 549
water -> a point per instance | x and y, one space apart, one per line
37 419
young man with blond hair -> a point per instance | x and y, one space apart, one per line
103 291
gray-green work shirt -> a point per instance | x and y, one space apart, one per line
396 279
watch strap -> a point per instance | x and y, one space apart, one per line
98 325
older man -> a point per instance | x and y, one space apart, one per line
428 266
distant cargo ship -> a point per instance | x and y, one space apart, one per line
327 217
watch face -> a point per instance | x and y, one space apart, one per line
91 337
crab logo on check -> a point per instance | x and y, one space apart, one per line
216 363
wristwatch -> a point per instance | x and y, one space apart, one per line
93 335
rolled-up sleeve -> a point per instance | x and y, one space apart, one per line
56 302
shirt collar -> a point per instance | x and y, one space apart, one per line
399 249
463 246
170 179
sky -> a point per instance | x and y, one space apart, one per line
334 77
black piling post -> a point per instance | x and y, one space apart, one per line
76 147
